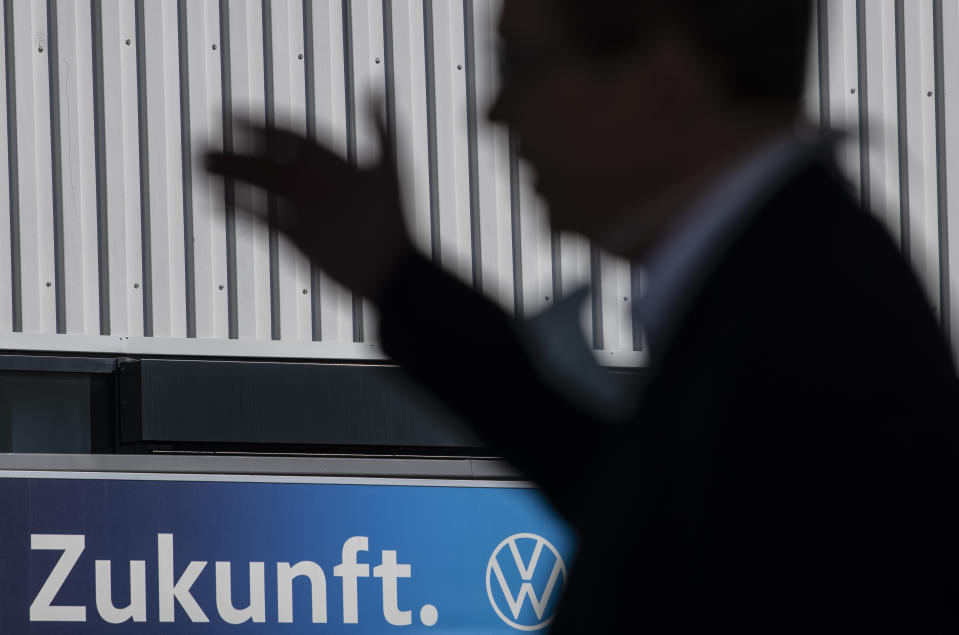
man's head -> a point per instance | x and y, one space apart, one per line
617 102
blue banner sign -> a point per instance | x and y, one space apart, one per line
140 553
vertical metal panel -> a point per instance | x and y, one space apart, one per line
336 310
882 70
289 98
165 168
410 102
881 110
206 195
843 97
452 144
34 167
369 83
920 120
252 237
617 303
950 24
492 159
8 268
576 258
575 263
901 103
78 167
369 75
266 14
121 166
536 246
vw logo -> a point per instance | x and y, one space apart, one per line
520 569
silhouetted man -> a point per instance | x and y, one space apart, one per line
790 465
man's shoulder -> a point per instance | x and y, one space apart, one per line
811 245
812 282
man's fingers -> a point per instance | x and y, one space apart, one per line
287 146
255 170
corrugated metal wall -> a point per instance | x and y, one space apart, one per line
883 71
112 238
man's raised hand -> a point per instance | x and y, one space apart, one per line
347 219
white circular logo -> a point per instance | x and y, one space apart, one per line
525 571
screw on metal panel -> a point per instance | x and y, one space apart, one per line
547 298
625 298
299 56
40 50
127 42
49 284
221 287
304 292
852 91
929 94
377 60
459 67
136 285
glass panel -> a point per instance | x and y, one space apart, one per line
45 412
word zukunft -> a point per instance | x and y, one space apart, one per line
178 591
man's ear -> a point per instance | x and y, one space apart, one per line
678 65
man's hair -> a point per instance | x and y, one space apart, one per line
760 45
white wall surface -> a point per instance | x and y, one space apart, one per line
113 239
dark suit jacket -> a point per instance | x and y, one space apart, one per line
792 464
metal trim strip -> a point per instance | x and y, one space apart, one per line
56 165
186 164
309 66
229 192
13 168
942 175
634 285
596 295
240 478
432 150
556 256
270 117
451 472
99 136
472 140
901 107
145 239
